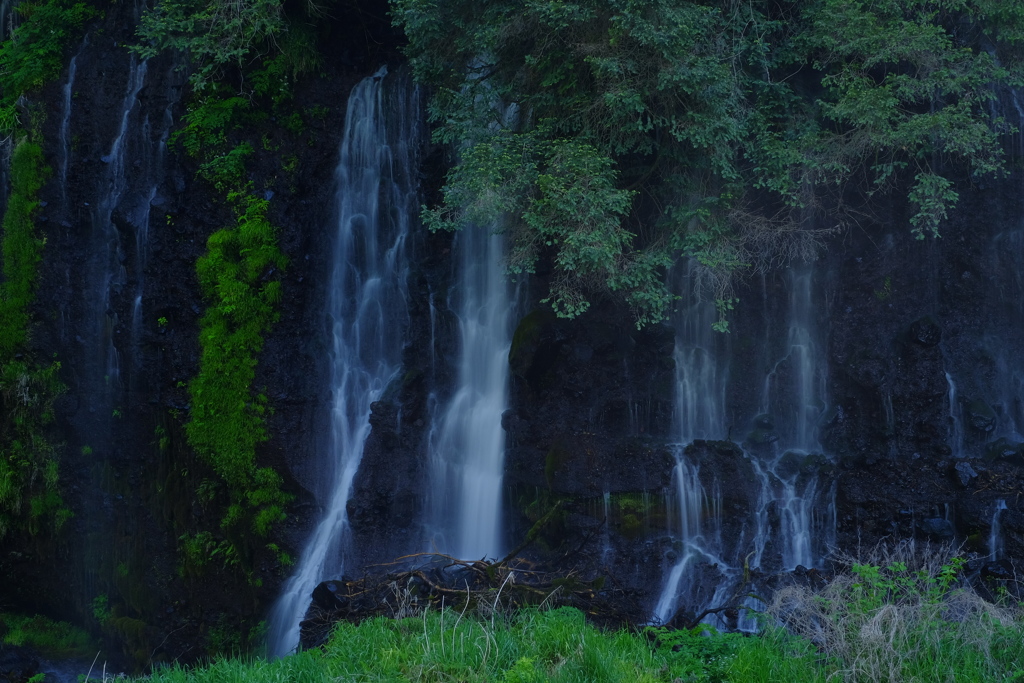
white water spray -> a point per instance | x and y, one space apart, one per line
795 394
108 276
699 414
367 309
995 538
468 447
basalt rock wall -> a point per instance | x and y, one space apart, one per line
920 348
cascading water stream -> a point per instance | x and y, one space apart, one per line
691 501
64 135
467 448
149 165
956 435
798 399
368 313
793 400
699 414
995 538
700 375
107 275
100 350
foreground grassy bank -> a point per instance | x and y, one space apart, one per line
555 645
904 615
893 621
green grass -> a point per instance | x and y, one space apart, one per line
556 645
529 646
902 618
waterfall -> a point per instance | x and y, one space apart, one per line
150 165
699 414
691 501
794 390
367 311
956 436
107 275
995 539
467 447
126 192
793 400
64 135
788 526
700 376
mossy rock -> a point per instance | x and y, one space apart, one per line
762 437
50 638
790 464
980 416
814 463
631 525
553 461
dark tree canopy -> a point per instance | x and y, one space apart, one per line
614 136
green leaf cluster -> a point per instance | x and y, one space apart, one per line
213 33
616 136
22 248
34 53
876 586
228 419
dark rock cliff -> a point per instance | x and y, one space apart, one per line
920 426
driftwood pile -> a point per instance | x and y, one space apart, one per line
440 581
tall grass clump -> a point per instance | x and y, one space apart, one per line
904 614
528 646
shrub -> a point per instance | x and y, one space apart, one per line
33 55
903 614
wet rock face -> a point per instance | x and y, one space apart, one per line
914 434
128 474
923 341
588 398
17 665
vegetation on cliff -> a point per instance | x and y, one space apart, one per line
30 498
237 277
617 136
226 130
31 56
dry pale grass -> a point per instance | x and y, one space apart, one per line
912 621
